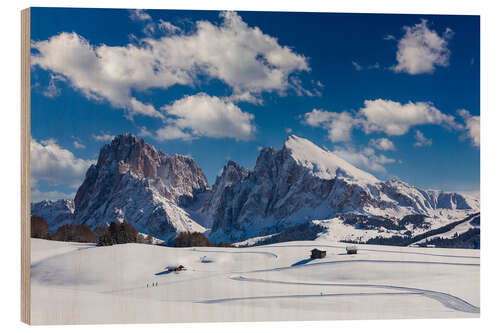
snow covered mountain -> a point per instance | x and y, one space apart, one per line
55 212
303 182
134 182
299 184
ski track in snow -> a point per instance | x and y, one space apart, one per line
334 262
223 300
448 300
269 254
374 250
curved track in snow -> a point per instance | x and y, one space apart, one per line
269 254
448 300
338 262
251 298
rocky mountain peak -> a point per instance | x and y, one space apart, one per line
232 172
134 181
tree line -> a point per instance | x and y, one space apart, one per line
191 239
115 233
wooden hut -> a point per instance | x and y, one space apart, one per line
351 249
175 268
317 254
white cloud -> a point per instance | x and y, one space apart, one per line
472 125
243 57
288 130
104 137
395 118
296 86
421 140
56 165
364 159
161 26
382 144
139 15
338 125
358 67
421 50
52 89
389 37
141 108
202 115
392 118
168 132
78 145
168 27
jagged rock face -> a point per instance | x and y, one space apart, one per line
55 212
232 173
302 182
133 181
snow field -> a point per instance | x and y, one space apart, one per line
80 283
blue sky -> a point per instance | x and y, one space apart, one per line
396 95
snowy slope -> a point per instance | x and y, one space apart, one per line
324 164
459 229
79 283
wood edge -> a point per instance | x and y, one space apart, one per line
25 167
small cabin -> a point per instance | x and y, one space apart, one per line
175 268
351 250
317 254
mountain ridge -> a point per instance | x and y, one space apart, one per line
165 194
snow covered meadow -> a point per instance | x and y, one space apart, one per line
81 283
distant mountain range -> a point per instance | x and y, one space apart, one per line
299 185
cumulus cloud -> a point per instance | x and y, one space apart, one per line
421 140
421 49
168 27
338 125
139 15
382 144
78 145
56 165
168 132
392 118
395 118
202 115
152 28
365 158
472 125
249 61
357 66
103 137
